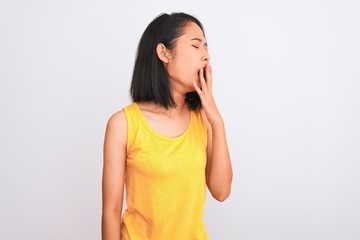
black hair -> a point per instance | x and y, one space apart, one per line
150 80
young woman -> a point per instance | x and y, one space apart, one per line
170 143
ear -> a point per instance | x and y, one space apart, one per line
162 53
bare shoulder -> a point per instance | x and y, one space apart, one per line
116 128
117 119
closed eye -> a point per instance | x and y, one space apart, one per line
195 46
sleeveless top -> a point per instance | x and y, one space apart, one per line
165 181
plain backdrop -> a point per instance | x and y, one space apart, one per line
286 80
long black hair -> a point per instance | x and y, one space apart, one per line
150 80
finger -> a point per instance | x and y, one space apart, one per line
209 77
202 81
198 89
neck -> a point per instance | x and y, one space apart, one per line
179 101
181 106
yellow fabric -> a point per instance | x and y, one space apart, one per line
165 181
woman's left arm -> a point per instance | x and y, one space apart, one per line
218 168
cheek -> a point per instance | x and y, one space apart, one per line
178 68
183 68
188 66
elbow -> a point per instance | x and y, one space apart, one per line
219 191
221 197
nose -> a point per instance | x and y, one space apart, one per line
206 56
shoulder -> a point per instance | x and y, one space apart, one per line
117 119
116 128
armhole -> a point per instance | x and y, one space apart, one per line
129 132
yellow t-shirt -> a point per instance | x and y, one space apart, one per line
165 181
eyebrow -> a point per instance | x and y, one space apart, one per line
198 39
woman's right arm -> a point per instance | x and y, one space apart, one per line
113 175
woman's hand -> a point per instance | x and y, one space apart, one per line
207 99
218 167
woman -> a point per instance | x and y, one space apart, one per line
170 143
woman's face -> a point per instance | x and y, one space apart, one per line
188 57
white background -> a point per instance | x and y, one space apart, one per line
286 80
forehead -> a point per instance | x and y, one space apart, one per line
192 30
